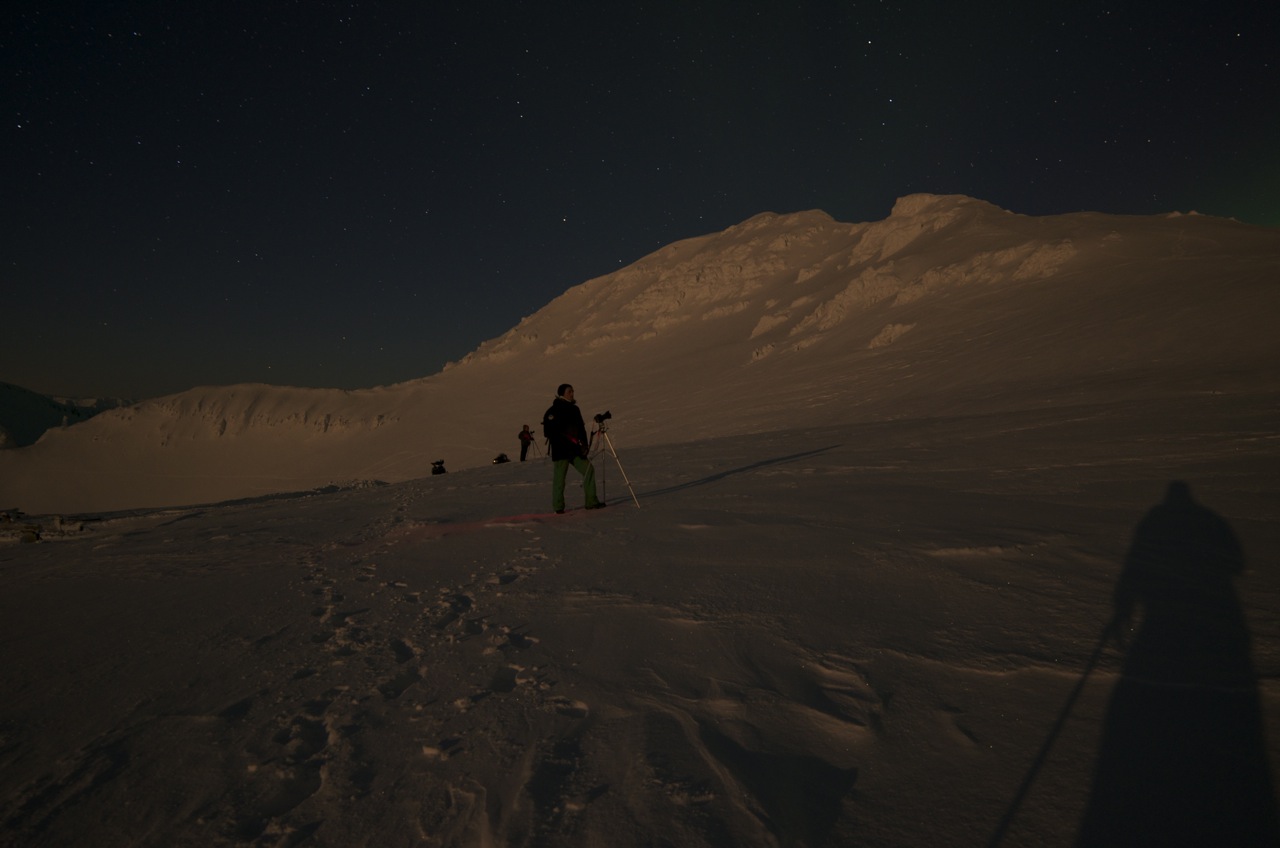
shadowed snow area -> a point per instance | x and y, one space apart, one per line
957 528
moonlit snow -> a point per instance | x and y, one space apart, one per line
956 528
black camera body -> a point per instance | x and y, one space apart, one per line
602 417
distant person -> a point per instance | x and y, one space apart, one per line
437 467
567 434
526 439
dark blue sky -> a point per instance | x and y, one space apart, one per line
351 194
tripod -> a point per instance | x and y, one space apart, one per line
998 836
603 430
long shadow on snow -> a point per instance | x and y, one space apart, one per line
715 478
1183 760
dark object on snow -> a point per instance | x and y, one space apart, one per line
501 458
437 467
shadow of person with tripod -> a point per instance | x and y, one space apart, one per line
1183 759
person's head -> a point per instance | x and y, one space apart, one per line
1178 494
565 391
526 426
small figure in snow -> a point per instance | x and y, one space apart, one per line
526 439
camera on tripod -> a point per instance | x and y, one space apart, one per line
602 430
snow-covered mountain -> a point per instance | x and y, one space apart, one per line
950 306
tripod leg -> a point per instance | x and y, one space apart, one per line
614 454
604 482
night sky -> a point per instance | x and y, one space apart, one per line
351 194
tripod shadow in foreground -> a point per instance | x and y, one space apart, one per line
1183 759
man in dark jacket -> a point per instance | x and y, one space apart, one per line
563 426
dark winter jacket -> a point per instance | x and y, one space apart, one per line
563 426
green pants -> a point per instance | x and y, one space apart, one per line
584 467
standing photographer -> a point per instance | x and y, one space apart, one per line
563 426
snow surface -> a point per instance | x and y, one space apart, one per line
896 480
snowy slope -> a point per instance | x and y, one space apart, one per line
956 528
885 635
949 305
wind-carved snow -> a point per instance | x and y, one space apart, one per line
698 280
890 334
767 323
871 287
238 410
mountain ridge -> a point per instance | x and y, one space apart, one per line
948 304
